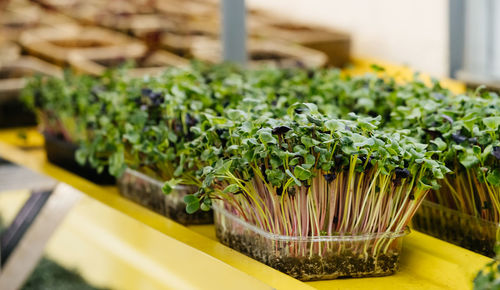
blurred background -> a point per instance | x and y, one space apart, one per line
445 38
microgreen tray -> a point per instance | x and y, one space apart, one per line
148 192
461 229
62 153
313 257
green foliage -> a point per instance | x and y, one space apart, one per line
201 124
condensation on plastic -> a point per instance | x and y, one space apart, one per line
148 192
467 231
312 257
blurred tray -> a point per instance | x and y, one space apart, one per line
146 62
265 53
13 113
335 44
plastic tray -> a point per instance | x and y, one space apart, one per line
147 191
314 257
470 232
62 153
13 113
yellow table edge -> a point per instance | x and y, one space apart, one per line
112 250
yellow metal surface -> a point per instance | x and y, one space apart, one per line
22 137
426 263
113 250
401 73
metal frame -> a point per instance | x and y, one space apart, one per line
456 22
233 31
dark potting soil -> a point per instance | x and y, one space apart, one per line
307 268
62 153
467 234
152 197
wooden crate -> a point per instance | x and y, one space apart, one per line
147 62
335 44
17 19
189 10
9 51
56 44
106 13
181 39
265 53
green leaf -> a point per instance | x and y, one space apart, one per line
117 163
302 173
224 168
172 136
133 137
81 156
232 188
190 198
334 125
289 173
308 141
267 138
310 159
169 186
468 160
192 207
440 144
377 68
275 176
294 161
205 207
492 122
494 177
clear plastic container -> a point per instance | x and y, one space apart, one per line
315 257
470 232
148 192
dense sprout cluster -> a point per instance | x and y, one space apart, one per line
464 129
294 151
64 107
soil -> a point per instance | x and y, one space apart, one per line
152 197
464 233
306 268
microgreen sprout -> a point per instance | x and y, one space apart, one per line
309 175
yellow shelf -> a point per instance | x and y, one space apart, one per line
426 262
115 251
